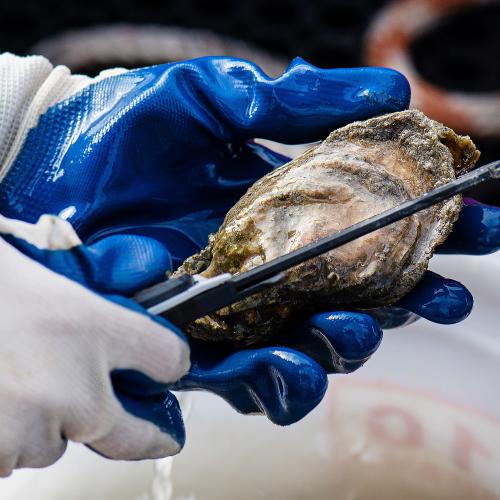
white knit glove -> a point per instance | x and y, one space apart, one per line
58 344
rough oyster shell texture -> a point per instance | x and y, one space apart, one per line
358 171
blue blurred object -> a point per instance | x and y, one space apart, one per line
146 164
477 231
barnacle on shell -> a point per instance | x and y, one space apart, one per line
358 171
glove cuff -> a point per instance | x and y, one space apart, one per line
29 86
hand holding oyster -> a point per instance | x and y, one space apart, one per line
360 170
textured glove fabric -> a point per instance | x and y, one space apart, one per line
29 86
59 343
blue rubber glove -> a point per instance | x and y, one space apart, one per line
146 163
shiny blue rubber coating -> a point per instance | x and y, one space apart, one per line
146 164
434 298
285 382
279 382
340 342
438 299
476 232
160 154
161 409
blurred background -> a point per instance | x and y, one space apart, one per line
449 49
422 419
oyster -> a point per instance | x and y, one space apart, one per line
358 171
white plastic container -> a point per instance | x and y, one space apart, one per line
420 421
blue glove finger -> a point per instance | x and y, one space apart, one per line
161 410
476 232
302 105
281 383
340 341
284 382
119 264
438 299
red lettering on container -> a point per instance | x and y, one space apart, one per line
465 446
395 425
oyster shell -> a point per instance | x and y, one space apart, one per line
358 171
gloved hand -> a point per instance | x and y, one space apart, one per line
59 342
145 164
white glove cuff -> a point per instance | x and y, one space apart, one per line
28 87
